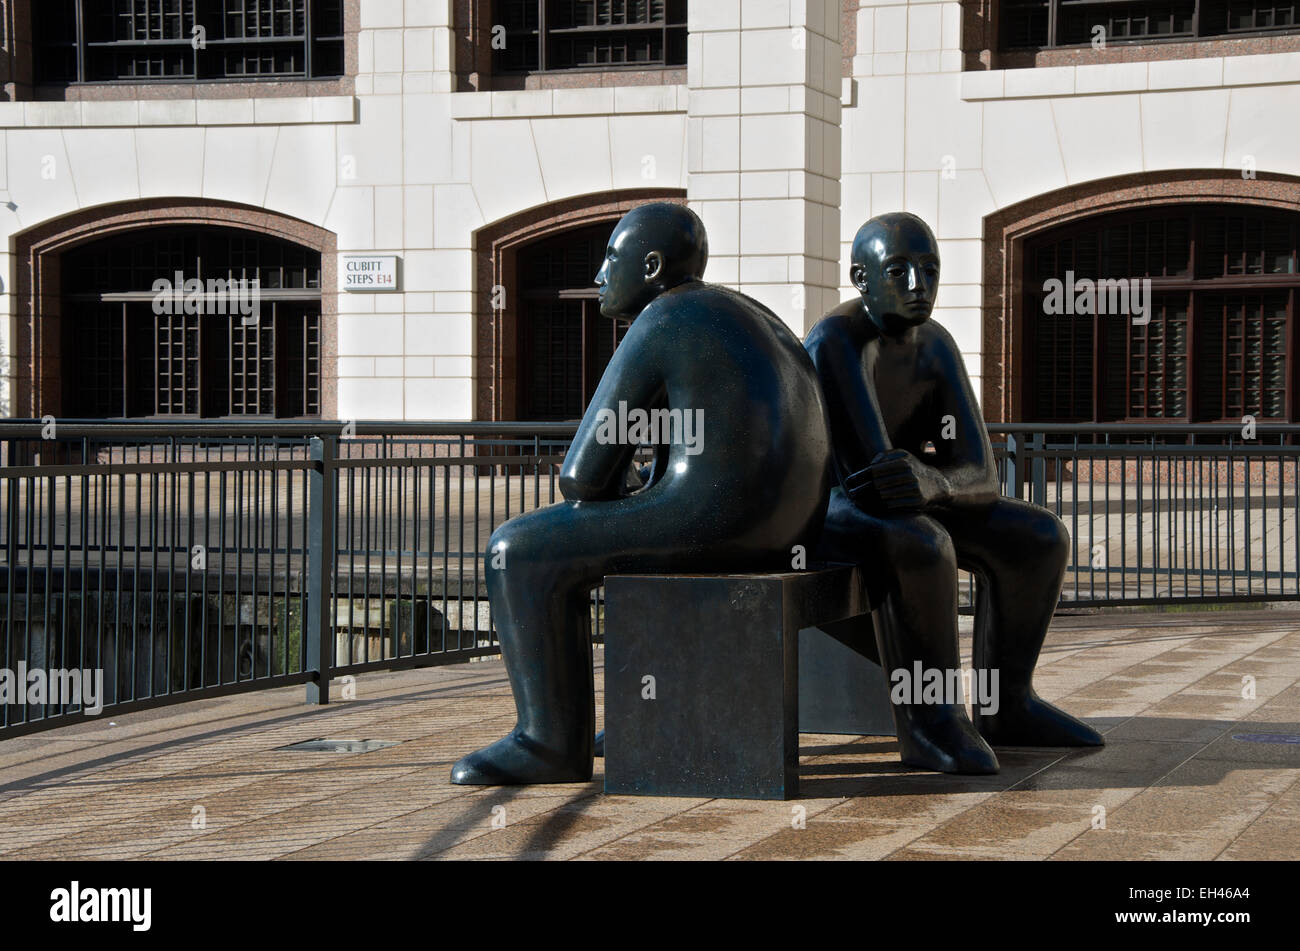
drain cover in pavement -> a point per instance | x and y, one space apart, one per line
338 746
1291 738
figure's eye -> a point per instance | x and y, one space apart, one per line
931 269
894 270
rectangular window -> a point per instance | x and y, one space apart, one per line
548 35
96 41
1047 24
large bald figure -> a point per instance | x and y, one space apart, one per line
745 483
894 381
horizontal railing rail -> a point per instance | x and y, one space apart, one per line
161 561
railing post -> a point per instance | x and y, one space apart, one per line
1014 475
318 629
1038 470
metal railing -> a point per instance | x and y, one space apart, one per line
182 561
1181 513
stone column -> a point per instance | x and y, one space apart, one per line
764 149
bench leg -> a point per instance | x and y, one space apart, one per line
701 689
841 689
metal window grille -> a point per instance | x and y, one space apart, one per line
79 41
1047 24
549 35
1219 343
565 341
123 358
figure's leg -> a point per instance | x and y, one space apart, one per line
540 570
912 570
539 581
1019 553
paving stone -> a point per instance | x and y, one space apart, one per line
1172 781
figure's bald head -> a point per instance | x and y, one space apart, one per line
654 247
891 230
895 267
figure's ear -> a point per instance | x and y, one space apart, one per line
654 266
858 275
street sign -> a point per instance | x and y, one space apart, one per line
369 272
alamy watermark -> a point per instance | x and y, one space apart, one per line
638 427
78 903
64 688
1107 296
192 296
930 685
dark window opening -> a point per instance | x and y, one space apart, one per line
90 41
535 36
1047 24
565 343
1218 342
124 356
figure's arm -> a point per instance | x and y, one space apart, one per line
966 460
596 465
858 433
963 469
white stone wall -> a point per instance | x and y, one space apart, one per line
953 147
764 139
783 158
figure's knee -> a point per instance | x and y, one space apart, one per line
548 550
1028 538
518 543
920 544
1048 540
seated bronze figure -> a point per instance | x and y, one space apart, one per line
737 496
895 384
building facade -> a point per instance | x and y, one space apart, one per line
470 157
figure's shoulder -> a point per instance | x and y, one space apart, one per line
840 326
691 296
693 308
937 341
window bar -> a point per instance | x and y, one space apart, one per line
541 36
80 17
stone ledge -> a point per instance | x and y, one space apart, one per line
547 103
1216 72
137 113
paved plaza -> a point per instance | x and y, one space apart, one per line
1192 769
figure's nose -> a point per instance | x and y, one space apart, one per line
914 278
600 275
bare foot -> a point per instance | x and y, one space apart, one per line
516 760
943 739
1032 721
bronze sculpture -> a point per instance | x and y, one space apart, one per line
895 381
737 497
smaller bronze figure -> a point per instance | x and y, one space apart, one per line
895 383
746 482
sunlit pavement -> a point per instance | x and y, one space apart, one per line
1201 713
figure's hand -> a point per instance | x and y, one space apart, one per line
637 478
895 482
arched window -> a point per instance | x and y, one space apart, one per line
191 321
1180 313
565 342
